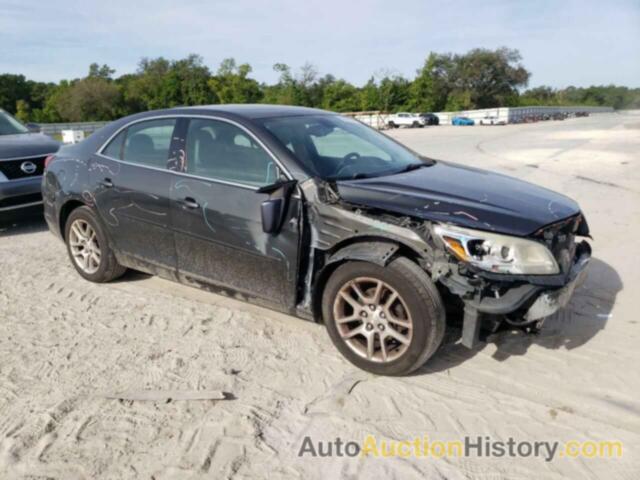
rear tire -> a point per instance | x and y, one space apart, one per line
403 334
88 247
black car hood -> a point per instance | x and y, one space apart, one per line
469 197
26 145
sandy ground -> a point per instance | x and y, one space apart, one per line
68 347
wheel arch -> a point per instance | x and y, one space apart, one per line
374 249
65 210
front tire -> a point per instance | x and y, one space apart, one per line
89 249
385 320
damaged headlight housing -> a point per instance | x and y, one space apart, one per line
498 253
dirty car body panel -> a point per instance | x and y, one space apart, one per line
202 219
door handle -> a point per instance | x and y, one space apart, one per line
106 183
190 203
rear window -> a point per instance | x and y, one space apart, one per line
145 143
114 149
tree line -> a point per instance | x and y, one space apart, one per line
479 78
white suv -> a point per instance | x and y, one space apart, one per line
491 120
404 119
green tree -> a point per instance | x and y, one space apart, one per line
475 79
459 100
12 88
105 72
492 77
132 100
433 84
539 96
393 93
161 83
369 96
340 96
39 92
293 89
186 83
54 97
232 84
89 99
480 78
22 111
597 95
283 92
145 88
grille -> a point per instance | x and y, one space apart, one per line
11 168
560 238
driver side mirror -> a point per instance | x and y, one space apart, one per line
274 209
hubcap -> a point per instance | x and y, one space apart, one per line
373 319
85 249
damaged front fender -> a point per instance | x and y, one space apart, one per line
335 231
379 253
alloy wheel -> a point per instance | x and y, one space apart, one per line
84 246
373 319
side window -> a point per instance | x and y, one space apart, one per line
114 149
222 151
147 143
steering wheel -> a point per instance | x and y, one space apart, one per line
347 161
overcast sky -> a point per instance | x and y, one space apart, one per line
563 42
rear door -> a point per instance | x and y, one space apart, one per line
131 192
216 214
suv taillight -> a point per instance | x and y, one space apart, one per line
48 160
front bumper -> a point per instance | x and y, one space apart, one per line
550 301
528 302
20 194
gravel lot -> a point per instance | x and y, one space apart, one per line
67 347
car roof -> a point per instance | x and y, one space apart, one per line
248 111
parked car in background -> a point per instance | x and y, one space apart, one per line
491 120
405 119
317 215
462 121
22 161
430 118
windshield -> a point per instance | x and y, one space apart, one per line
9 125
333 147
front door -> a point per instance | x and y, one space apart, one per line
216 215
131 192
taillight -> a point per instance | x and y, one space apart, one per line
48 160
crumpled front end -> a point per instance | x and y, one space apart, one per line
520 300
490 295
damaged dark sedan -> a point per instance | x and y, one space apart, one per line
317 215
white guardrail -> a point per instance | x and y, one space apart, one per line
57 128
506 114
379 119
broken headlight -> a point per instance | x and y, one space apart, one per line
498 253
